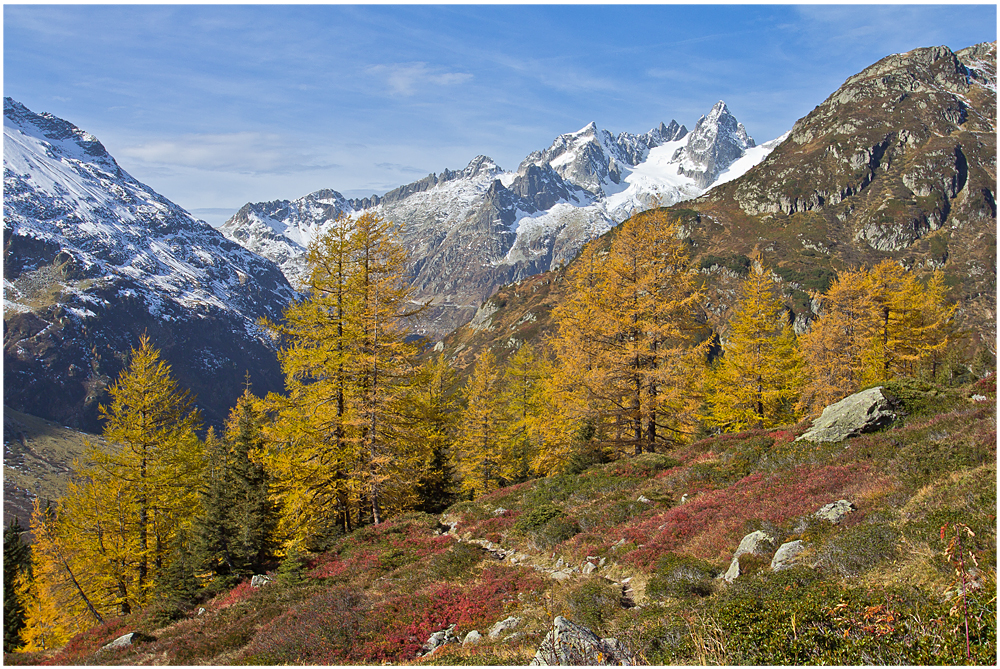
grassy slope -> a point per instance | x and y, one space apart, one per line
874 591
37 458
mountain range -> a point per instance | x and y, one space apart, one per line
899 162
473 230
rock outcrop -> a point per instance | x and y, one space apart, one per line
569 644
787 555
834 512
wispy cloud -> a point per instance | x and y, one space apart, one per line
396 167
406 79
241 152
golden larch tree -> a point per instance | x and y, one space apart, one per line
629 338
480 440
756 382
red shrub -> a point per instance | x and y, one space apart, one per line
237 594
711 524
89 642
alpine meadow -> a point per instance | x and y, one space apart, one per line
672 398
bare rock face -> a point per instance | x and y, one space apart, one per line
569 644
717 141
866 411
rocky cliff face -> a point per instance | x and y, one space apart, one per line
473 230
93 258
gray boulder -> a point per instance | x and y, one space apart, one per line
126 640
787 555
835 511
756 543
569 644
259 580
472 637
866 411
504 625
438 639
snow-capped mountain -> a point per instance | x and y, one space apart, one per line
92 258
473 230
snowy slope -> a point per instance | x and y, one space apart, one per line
94 258
63 189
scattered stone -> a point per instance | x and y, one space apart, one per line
499 511
502 626
684 498
569 644
600 563
644 500
561 575
438 639
787 555
866 411
260 580
472 637
835 511
201 610
756 543
978 398
559 563
589 568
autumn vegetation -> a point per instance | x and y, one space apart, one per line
373 431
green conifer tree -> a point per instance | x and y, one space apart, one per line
16 564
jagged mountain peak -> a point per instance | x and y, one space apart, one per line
62 137
479 166
717 141
474 229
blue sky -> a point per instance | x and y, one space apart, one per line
216 106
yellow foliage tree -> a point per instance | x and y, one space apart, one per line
59 601
836 346
339 434
757 381
875 324
521 398
628 336
136 494
479 444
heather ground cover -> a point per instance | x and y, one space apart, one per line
887 585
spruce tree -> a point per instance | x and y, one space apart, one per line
254 514
16 565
